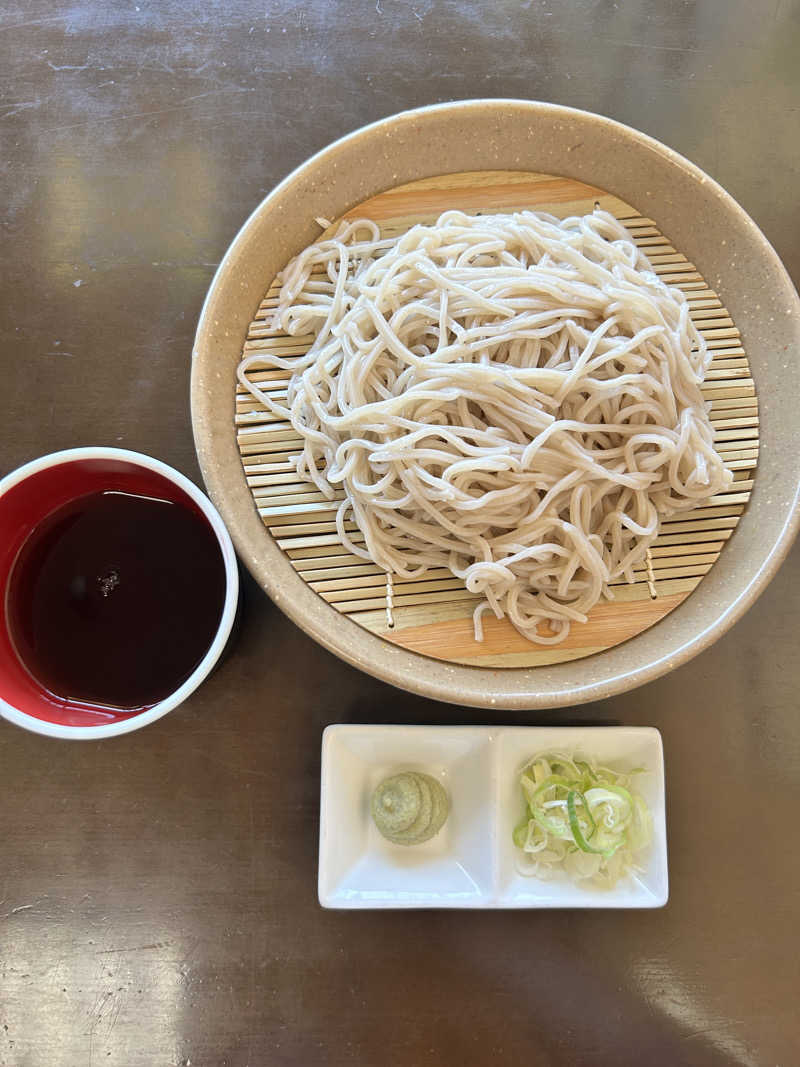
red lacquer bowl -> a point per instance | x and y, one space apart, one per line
34 491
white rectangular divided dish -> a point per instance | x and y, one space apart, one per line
471 863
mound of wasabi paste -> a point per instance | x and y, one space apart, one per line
410 808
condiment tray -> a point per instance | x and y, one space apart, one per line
472 862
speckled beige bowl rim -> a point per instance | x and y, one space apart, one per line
700 218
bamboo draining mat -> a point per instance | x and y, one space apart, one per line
433 615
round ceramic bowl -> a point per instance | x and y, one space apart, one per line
702 220
31 493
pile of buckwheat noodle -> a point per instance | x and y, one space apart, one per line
515 398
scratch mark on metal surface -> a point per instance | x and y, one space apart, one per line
672 997
651 47
216 92
67 66
114 1016
229 766
35 22
711 1030
22 907
132 948
23 105
138 114
198 70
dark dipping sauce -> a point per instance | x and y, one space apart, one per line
114 599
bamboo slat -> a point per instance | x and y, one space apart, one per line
433 614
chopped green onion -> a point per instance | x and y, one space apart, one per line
574 808
520 834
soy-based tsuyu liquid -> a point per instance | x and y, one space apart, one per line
115 598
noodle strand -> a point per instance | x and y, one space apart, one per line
514 398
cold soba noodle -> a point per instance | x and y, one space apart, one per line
515 398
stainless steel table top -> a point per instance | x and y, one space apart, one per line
158 892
